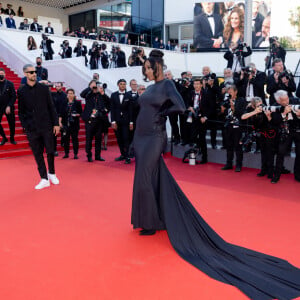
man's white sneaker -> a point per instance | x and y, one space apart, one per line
42 184
53 179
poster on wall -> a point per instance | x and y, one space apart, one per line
221 24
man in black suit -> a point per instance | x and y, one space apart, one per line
34 26
208 28
279 80
80 49
7 101
9 10
199 107
121 119
276 51
39 119
94 115
124 39
251 83
66 51
46 47
257 17
49 29
235 56
41 72
135 108
121 58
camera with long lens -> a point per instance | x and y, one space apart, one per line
239 48
248 71
286 74
273 39
102 85
211 76
64 44
268 108
184 82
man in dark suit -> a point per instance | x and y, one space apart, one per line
66 50
41 72
2 10
39 119
46 47
10 22
124 39
251 83
199 107
121 58
9 10
257 17
95 111
121 119
34 26
7 101
49 29
208 28
80 49
24 25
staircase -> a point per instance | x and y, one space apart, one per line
22 146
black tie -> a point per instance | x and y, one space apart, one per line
121 94
210 16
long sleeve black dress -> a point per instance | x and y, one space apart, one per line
159 203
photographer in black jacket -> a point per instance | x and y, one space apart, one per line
46 47
66 50
7 101
120 58
95 115
70 112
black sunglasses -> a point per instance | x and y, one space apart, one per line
31 72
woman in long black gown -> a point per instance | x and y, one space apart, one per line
158 203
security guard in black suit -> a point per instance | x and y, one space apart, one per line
7 101
121 119
97 105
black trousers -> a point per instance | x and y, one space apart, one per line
11 122
185 129
213 131
93 128
174 125
267 146
71 132
122 134
199 136
48 56
38 141
281 152
233 145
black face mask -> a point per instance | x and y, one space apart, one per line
2 77
38 63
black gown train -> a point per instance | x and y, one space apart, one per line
159 203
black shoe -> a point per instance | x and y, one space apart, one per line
13 142
147 232
66 156
75 156
99 158
4 140
55 153
238 169
227 167
285 171
270 176
203 161
297 179
275 179
127 161
90 159
261 174
214 146
120 158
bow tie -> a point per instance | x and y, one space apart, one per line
121 94
197 94
209 16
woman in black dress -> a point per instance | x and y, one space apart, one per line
158 203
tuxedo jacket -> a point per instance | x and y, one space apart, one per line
80 53
205 103
10 12
258 83
121 112
7 95
202 32
33 27
10 23
229 57
48 46
49 30
135 107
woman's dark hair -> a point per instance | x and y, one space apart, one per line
155 58
33 42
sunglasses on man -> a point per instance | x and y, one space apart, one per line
31 72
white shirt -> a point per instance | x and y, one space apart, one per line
211 22
236 66
121 97
196 100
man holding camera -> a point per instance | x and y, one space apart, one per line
137 57
280 80
121 119
275 51
235 56
287 119
80 49
39 119
66 50
46 47
121 58
7 101
97 106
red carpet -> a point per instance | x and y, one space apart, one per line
75 241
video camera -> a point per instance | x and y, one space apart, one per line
248 71
64 44
185 82
211 76
102 85
239 48
273 39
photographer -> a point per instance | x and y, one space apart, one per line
80 49
66 50
280 80
199 111
97 106
251 83
235 56
70 112
287 120
121 58
94 55
46 47
137 57
261 120
275 51
233 111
